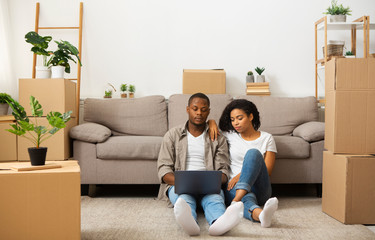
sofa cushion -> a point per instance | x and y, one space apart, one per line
130 147
291 147
177 104
90 132
310 131
280 115
146 116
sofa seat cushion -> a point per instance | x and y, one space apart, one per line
130 147
291 147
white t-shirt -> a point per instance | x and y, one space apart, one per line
238 148
195 152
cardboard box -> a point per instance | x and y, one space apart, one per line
8 145
350 104
41 204
59 145
349 187
58 95
204 81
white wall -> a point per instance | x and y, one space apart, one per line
149 43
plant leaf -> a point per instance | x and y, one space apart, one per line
36 108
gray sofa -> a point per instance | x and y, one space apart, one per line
120 139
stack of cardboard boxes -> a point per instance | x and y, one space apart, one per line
56 95
349 161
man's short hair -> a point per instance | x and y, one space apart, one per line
199 95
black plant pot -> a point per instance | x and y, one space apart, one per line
37 155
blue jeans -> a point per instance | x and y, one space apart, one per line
255 180
213 204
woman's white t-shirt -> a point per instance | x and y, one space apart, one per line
239 146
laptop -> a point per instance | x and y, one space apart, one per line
197 182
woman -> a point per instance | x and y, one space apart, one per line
252 155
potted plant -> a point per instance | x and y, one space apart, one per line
60 58
349 54
260 78
4 106
338 12
31 130
250 77
108 91
131 91
124 88
40 45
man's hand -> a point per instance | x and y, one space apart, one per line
233 182
169 178
213 130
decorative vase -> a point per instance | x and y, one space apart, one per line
4 109
37 155
337 18
250 78
124 95
57 71
131 95
43 72
261 78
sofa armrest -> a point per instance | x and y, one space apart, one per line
310 131
90 132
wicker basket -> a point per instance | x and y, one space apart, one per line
335 48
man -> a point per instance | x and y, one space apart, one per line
188 147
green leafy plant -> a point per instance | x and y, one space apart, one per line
249 73
4 97
131 88
336 9
259 70
63 54
108 93
29 128
40 45
124 87
349 53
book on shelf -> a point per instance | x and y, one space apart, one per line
259 93
257 90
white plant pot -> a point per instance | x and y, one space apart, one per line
261 78
337 18
57 71
350 56
43 72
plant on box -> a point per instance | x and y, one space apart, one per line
260 77
31 130
40 45
338 12
60 58
349 54
4 106
131 91
250 77
124 88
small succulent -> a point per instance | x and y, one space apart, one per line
249 73
131 88
108 93
349 53
259 70
124 87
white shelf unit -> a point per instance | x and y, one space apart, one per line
362 23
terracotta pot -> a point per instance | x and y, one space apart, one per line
131 95
124 95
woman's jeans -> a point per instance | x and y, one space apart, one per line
255 180
213 204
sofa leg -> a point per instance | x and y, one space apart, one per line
92 190
319 190
84 189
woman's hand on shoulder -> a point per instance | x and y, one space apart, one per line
213 130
